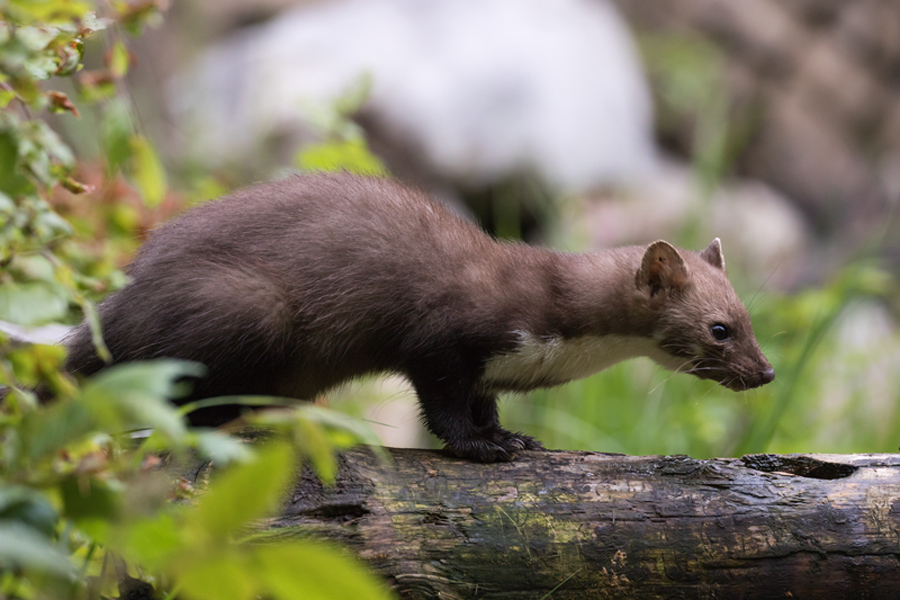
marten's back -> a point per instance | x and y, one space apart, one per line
314 223
320 276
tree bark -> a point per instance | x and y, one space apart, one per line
589 525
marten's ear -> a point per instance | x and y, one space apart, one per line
713 254
662 269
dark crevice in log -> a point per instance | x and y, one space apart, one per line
803 466
335 512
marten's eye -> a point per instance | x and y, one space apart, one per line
720 332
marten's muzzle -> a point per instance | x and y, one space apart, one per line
740 383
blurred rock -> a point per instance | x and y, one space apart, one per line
467 91
764 237
820 78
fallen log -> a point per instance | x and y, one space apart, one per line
589 525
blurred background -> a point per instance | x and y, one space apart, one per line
580 124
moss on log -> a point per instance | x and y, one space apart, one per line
589 525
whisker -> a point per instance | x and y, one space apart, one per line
697 370
710 390
750 304
775 335
672 374
661 383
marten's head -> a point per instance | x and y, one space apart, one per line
700 325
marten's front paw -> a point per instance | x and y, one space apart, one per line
520 441
501 446
481 451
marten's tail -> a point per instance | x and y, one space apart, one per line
82 359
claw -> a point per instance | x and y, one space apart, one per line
497 446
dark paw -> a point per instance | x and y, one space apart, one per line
482 451
519 441
498 446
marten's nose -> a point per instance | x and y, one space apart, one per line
767 376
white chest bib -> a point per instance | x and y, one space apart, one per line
548 361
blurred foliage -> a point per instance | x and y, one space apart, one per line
349 155
344 144
690 92
79 505
84 506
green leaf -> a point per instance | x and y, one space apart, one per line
318 433
190 407
48 225
87 498
27 548
222 575
46 431
147 171
350 155
92 317
314 570
151 542
58 11
150 378
12 181
34 363
6 96
90 23
42 153
318 447
220 447
70 56
117 133
28 507
35 39
358 430
137 394
245 492
32 303
119 60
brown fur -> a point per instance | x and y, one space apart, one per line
291 287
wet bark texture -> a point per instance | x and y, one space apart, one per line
588 525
